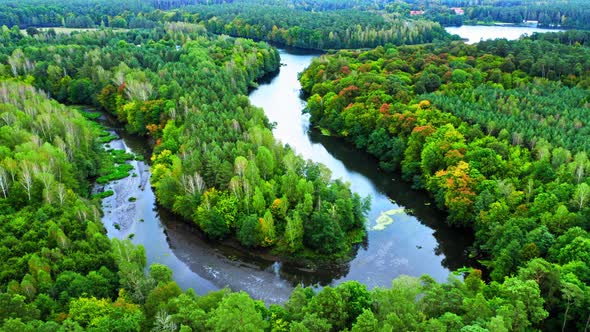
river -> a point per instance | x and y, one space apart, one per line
476 33
406 234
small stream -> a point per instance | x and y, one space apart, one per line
140 220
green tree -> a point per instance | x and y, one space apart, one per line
294 232
328 304
236 312
365 322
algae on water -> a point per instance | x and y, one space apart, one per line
386 218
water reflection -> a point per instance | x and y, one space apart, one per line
452 243
407 234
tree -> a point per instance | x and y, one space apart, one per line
131 262
258 202
329 304
294 232
573 295
455 189
428 82
267 229
159 297
87 311
581 195
323 233
162 274
357 298
524 297
26 176
31 31
217 214
236 312
4 182
365 322
312 322
249 231
118 22
398 305
138 90
265 162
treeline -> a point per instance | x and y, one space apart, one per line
308 5
284 25
321 5
499 141
300 24
566 14
74 14
88 14
570 37
410 304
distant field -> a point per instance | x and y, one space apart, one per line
70 30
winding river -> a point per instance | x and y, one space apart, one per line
406 234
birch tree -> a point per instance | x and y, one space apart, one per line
26 177
581 195
4 181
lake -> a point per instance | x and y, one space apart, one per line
476 33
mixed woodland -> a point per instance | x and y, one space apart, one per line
566 14
495 132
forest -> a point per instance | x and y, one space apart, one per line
232 183
314 29
277 22
495 132
565 14
317 24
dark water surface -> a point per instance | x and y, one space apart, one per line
407 235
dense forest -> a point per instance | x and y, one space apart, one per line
64 274
318 24
279 22
496 132
237 182
314 29
565 14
